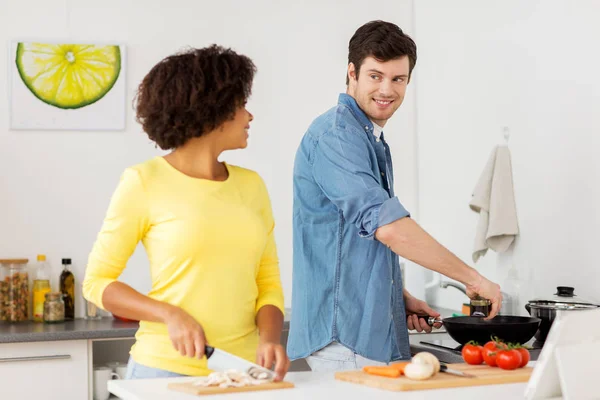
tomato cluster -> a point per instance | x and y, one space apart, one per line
496 354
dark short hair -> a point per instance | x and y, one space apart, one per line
191 93
382 40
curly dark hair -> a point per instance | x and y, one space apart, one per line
191 93
384 41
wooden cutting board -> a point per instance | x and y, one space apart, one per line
188 387
484 375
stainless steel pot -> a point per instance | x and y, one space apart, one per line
563 300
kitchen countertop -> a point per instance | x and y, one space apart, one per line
29 331
105 328
79 329
312 385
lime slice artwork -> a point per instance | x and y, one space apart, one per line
68 76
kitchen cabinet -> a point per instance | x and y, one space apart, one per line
43 370
56 361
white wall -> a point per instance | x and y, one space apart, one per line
56 185
532 66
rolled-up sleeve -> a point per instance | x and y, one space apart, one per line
342 169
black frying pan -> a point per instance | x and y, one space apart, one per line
508 328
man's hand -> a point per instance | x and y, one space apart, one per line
414 308
488 290
269 353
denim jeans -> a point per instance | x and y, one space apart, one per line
336 357
139 371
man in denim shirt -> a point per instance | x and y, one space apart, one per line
349 306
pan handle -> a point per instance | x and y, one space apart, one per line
431 320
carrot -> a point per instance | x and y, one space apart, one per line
386 371
400 366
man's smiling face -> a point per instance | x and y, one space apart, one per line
380 87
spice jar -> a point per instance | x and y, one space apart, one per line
54 308
3 294
480 307
14 297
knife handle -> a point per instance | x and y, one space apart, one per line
208 351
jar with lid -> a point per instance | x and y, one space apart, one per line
54 308
3 293
14 297
480 307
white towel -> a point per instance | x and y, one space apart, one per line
494 200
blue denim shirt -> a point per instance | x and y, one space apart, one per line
347 286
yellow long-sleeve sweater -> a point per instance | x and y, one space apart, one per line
211 250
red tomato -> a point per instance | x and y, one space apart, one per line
493 345
490 345
472 354
525 357
508 359
489 356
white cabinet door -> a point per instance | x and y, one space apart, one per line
44 370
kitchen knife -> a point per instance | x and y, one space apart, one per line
444 368
220 360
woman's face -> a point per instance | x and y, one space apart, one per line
235 131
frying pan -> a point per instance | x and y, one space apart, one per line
509 328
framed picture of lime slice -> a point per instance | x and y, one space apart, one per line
67 86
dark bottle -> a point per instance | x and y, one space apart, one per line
67 288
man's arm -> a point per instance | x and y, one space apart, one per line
407 239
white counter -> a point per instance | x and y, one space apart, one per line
314 386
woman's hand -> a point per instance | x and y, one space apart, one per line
186 333
269 353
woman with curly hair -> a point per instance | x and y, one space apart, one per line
206 225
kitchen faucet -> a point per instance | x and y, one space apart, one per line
445 284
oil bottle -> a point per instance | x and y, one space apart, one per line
41 286
67 288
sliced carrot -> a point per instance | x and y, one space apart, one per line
386 371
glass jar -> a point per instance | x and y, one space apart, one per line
91 311
54 308
3 294
480 307
15 290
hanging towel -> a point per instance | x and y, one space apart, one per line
494 200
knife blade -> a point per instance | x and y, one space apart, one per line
220 360
444 368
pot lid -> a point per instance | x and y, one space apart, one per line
564 298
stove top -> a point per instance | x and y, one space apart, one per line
449 351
